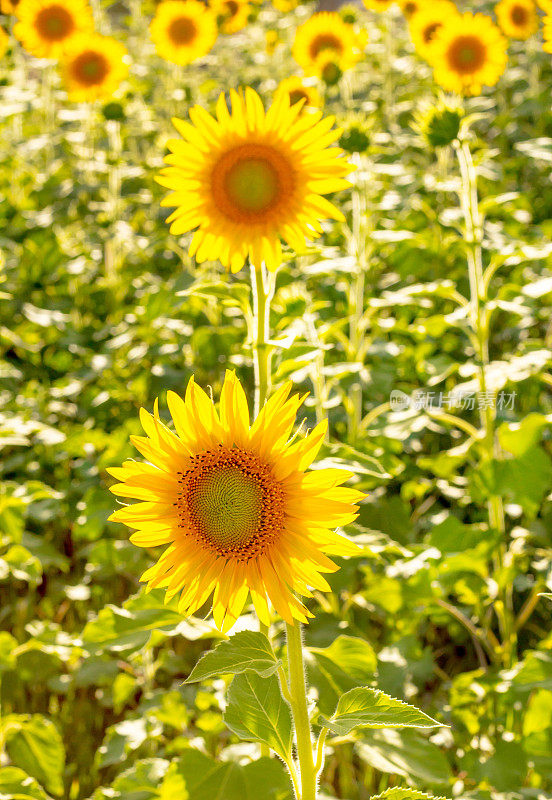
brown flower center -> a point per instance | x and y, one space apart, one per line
430 31
250 181
182 30
325 41
230 501
54 23
296 95
519 15
90 68
466 54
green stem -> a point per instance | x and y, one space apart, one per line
300 711
261 347
479 320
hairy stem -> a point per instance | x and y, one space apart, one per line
300 712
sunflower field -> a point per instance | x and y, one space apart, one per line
275 400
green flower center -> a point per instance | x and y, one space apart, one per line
230 503
252 184
227 506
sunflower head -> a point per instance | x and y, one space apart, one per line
232 15
426 24
439 124
323 33
377 5
8 6
234 505
411 7
248 178
299 89
355 137
285 6
518 19
329 68
183 30
93 67
470 52
46 27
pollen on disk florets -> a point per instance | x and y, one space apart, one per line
230 501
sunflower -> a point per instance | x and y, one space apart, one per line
469 52
235 505
46 26
247 178
426 23
377 5
547 33
328 67
4 42
232 15
296 90
285 6
93 66
327 31
183 30
8 6
411 7
518 19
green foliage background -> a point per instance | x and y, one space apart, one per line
102 311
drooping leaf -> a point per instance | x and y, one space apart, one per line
257 712
246 650
406 753
370 708
35 745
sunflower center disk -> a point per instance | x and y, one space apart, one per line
519 15
54 23
430 31
231 503
90 68
326 41
467 54
250 181
182 31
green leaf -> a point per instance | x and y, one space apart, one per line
398 793
15 784
406 753
246 650
340 667
34 744
130 627
200 777
342 456
257 712
369 708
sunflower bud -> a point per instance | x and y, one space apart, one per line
439 125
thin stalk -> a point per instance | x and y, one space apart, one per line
479 320
300 711
263 291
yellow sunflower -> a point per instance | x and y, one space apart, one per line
235 505
426 23
183 30
46 26
518 19
4 41
469 52
232 15
411 7
296 89
327 31
547 33
377 5
285 6
249 177
93 66
328 67
8 6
